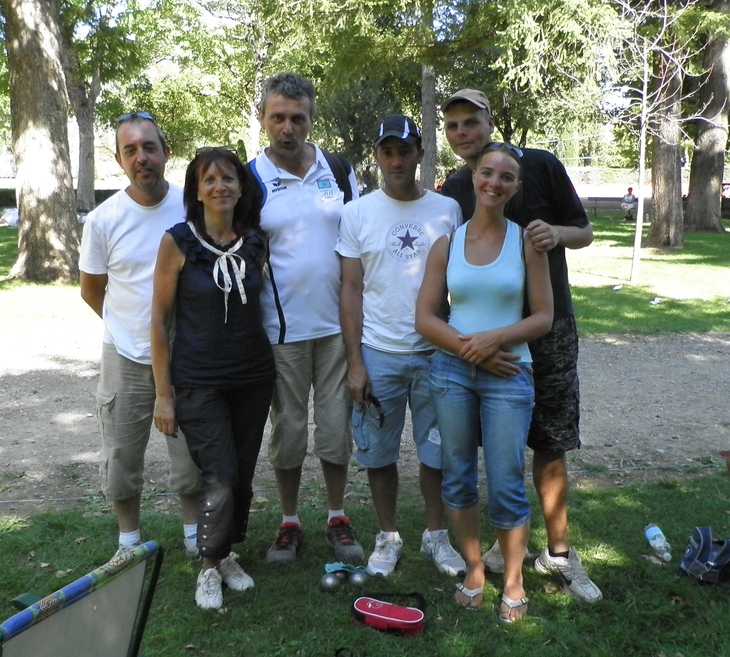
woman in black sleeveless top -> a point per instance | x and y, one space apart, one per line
214 374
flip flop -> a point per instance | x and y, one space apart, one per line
473 597
512 605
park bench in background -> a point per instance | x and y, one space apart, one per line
593 204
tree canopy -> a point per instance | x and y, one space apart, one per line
553 69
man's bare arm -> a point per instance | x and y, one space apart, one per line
93 290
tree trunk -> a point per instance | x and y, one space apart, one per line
48 238
428 126
428 103
704 200
82 97
252 134
667 226
85 200
83 103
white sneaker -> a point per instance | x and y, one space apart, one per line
123 551
494 561
441 553
570 570
208 590
233 575
385 556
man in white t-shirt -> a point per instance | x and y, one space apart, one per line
117 262
384 240
303 200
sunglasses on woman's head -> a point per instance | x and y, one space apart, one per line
210 149
499 144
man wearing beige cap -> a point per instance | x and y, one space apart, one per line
554 219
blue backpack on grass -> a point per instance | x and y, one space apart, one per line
706 559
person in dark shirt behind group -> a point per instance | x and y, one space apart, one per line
554 219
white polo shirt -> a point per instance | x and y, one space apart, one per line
300 296
392 240
121 239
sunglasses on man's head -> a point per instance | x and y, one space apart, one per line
136 115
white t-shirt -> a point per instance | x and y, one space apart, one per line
121 239
300 299
392 240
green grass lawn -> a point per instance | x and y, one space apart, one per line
8 249
693 283
648 608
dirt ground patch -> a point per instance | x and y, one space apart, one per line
652 406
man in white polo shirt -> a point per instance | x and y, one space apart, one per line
384 240
303 201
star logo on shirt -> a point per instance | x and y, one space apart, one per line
407 240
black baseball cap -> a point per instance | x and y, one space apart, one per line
399 126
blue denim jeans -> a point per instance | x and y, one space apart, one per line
396 380
474 407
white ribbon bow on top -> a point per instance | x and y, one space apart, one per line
221 267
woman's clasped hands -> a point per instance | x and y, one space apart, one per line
484 349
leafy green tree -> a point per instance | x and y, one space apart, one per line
238 43
348 116
106 42
539 61
656 44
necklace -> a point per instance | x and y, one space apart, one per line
221 240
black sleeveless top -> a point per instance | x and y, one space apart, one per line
210 350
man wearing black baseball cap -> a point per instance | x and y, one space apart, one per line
384 240
554 219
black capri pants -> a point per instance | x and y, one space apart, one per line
224 429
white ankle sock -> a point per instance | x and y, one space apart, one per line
436 534
130 539
294 518
333 513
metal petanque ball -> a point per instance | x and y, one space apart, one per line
329 583
341 575
358 578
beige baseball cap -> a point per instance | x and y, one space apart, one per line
473 96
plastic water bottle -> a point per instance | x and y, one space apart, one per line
658 542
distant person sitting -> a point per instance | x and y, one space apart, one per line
628 203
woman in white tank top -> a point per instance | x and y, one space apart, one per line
481 376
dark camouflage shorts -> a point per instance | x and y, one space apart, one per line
556 415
